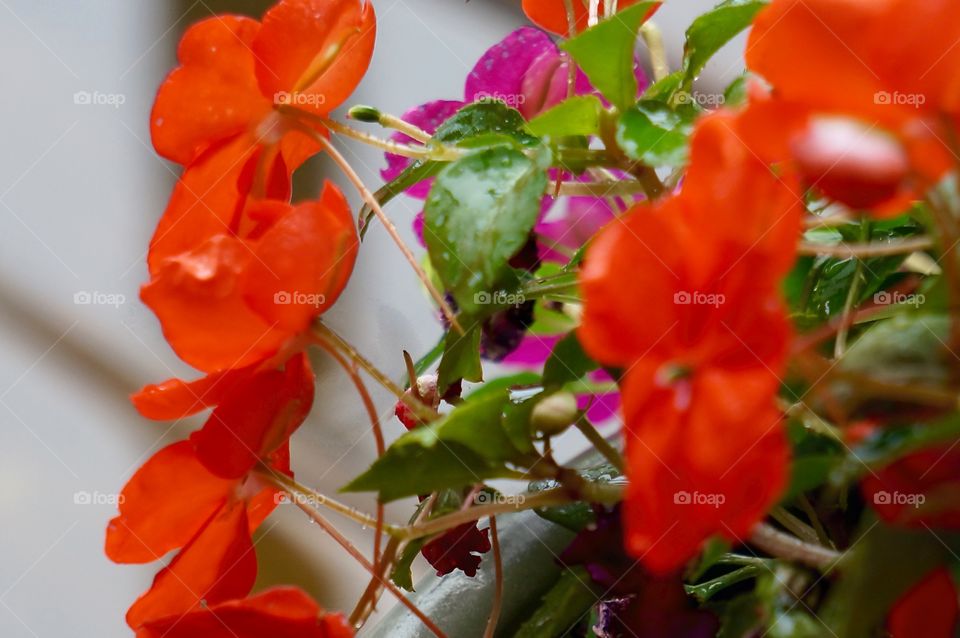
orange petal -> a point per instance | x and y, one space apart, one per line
552 14
206 200
218 564
303 262
163 505
256 417
280 612
632 274
736 197
311 54
213 94
176 399
197 296
836 69
687 482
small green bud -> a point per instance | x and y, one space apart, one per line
363 113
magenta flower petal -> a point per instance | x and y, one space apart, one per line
428 117
499 72
532 351
418 223
604 406
581 218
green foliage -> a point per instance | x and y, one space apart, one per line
567 602
479 213
486 117
568 362
466 446
710 31
654 134
578 115
605 52
575 516
461 357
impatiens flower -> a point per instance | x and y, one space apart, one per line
552 14
241 292
202 494
918 490
280 612
218 113
873 109
636 603
929 609
458 548
174 501
526 70
684 297
255 411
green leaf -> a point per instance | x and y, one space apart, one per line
461 357
483 118
568 362
654 134
663 89
501 384
605 52
710 31
479 213
466 446
562 607
409 467
516 423
413 174
574 116
809 472
830 278
401 575
905 349
575 516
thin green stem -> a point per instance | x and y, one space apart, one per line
497 583
873 249
658 53
840 343
302 493
781 545
546 498
603 446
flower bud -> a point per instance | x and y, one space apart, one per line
555 413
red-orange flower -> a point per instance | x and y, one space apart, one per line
173 501
876 107
229 112
684 296
552 14
280 612
928 609
240 293
917 490
201 494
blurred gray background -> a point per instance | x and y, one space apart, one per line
80 192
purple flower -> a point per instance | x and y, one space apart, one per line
527 71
